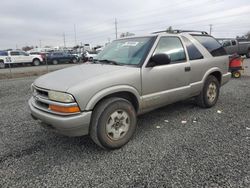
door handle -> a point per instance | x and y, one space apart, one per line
187 69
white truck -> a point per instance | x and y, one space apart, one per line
18 57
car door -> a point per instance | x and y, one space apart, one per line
66 57
61 57
26 58
15 57
168 83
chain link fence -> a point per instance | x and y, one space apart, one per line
19 70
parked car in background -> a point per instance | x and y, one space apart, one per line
42 54
131 76
98 50
61 57
88 55
19 57
4 59
77 55
234 46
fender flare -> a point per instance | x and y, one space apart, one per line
210 71
112 90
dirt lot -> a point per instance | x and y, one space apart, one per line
211 150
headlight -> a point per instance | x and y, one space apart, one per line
60 97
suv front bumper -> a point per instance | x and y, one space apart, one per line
74 125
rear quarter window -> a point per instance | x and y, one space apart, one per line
193 52
211 44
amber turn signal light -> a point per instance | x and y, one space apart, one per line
63 109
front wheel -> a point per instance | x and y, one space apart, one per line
210 93
113 123
74 60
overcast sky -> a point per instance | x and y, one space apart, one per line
29 21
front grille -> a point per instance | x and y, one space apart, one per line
39 96
42 93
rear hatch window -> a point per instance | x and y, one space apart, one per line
211 44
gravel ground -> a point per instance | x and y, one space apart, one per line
210 150
25 71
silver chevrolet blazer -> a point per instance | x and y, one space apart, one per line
130 76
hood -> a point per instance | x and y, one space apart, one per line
63 79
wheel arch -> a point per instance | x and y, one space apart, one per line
214 72
125 92
36 58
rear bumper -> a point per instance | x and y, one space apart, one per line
225 78
75 125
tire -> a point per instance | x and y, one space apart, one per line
236 74
2 65
109 134
91 59
55 62
210 93
74 60
36 62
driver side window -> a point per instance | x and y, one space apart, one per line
173 47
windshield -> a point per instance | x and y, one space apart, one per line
126 51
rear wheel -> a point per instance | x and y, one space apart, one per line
210 93
2 65
113 123
36 62
55 62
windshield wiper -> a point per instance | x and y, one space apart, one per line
109 61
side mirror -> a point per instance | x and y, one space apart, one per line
159 59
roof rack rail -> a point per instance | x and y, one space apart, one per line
182 31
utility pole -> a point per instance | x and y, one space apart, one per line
115 28
75 33
210 30
64 42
